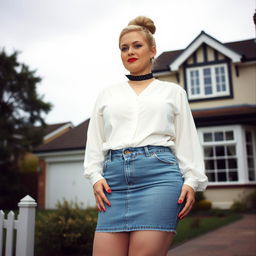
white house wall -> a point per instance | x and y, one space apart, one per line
65 180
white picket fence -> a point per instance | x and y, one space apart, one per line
25 226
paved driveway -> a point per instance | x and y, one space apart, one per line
235 239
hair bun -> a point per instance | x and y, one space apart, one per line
144 22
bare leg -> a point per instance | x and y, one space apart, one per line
111 244
150 243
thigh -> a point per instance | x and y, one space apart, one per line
150 243
110 244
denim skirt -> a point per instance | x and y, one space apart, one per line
146 183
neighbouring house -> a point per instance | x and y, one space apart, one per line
61 171
29 178
52 131
220 81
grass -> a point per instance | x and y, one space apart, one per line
198 224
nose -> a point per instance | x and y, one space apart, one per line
130 51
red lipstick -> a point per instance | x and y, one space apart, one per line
132 60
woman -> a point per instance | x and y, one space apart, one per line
143 155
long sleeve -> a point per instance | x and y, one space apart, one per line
187 145
94 155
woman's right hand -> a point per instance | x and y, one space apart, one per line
99 194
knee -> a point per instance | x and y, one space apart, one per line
148 252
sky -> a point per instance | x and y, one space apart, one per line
73 45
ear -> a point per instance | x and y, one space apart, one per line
153 52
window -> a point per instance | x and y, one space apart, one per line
207 81
250 155
229 154
220 156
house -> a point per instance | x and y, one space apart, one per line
60 174
29 176
220 81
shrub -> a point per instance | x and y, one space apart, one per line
199 196
238 206
204 205
67 231
251 200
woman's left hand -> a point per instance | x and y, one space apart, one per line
188 194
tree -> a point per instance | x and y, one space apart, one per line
21 108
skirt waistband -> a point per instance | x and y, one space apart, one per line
147 150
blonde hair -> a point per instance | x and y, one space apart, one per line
143 24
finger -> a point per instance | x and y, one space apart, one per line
183 214
186 209
105 199
102 197
98 206
98 192
106 187
101 203
182 196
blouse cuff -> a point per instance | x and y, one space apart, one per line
192 183
195 184
95 177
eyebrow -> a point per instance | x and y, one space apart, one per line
132 43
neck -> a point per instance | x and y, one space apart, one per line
140 77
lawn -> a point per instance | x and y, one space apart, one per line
200 223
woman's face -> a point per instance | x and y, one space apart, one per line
136 53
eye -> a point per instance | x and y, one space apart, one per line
123 49
137 46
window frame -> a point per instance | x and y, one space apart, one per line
202 94
241 154
252 130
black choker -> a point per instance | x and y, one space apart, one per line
140 78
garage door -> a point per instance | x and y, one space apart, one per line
66 181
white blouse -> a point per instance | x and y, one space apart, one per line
159 115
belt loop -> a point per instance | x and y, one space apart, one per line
109 155
146 150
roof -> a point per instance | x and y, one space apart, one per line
239 114
75 139
71 140
245 48
49 128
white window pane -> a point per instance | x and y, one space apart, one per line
211 176
248 136
232 163
220 78
222 176
233 176
208 151
221 164
218 136
207 137
249 150
220 151
251 175
229 135
207 81
250 162
231 150
209 165
194 82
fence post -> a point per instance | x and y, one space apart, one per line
26 227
